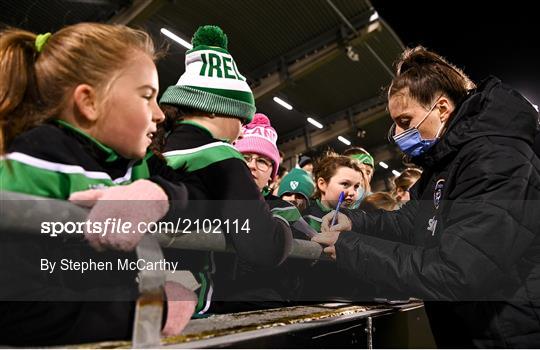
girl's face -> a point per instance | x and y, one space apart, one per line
130 113
344 180
260 167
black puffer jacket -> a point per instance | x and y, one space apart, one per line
469 243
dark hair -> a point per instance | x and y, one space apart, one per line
304 160
35 85
173 114
405 181
281 170
326 167
378 200
426 74
407 178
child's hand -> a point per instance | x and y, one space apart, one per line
123 213
181 304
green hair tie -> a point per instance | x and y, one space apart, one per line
41 40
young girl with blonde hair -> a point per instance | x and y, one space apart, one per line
78 111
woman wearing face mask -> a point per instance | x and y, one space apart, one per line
468 241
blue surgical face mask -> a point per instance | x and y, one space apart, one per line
410 141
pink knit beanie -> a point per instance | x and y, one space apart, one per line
260 137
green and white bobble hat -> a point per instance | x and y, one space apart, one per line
211 82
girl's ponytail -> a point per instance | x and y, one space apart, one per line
19 95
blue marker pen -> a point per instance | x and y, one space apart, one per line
340 200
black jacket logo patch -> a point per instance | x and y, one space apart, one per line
437 193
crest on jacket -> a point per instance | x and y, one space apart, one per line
437 193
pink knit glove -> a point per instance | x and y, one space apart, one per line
181 304
114 208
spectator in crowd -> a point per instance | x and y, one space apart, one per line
78 113
297 187
278 286
367 164
379 200
403 184
258 146
306 163
205 111
333 174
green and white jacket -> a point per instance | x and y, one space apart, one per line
54 160
314 214
57 159
225 191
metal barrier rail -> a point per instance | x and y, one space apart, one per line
24 214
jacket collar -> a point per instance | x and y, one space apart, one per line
108 153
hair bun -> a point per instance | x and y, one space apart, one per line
416 58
